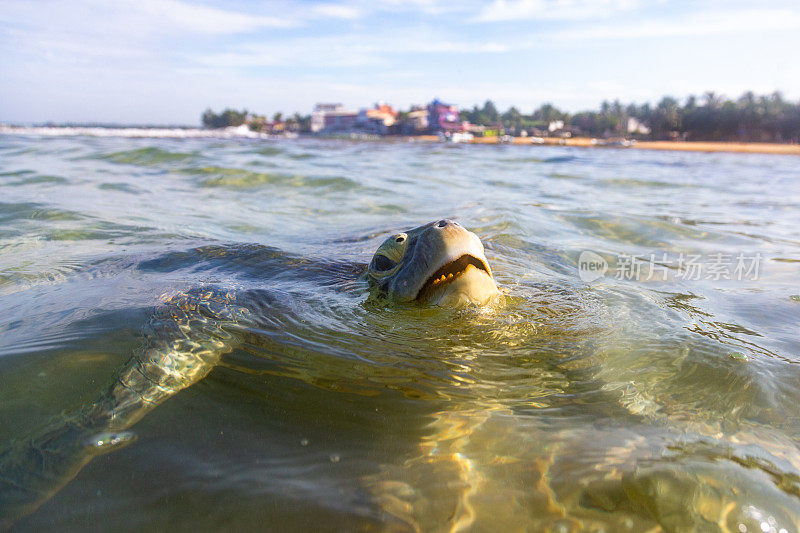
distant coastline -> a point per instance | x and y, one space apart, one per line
768 124
679 146
171 132
245 133
712 118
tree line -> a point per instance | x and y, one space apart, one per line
232 117
711 117
749 118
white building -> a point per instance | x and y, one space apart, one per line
634 126
332 117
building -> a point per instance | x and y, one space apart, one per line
637 127
443 118
415 121
380 119
318 115
276 126
331 118
437 117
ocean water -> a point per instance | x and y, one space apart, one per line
641 372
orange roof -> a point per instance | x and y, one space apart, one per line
381 110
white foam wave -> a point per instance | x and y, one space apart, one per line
174 133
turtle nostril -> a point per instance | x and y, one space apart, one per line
442 223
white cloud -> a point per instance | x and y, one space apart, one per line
342 50
141 17
512 10
340 11
203 19
699 24
430 7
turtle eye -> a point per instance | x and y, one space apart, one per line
382 263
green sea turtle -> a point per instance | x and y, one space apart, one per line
440 263
496 451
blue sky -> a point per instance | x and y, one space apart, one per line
165 61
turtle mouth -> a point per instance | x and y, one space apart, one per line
450 272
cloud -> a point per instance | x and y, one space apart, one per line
203 19
429 7
96 35
340 11
513 10
143 17
699 24
341 50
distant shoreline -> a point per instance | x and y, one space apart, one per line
244 133
699 146
678 146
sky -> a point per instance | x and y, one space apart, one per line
166 61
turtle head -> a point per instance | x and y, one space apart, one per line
440 263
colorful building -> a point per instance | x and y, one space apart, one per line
415 121
379 119
443 118
437 118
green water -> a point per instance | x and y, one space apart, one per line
661 401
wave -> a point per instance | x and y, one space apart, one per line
175 133
145 156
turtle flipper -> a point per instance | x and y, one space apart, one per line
434 490
188 336
34 469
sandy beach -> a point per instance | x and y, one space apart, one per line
755 148
685 146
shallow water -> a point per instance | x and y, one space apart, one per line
647 398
